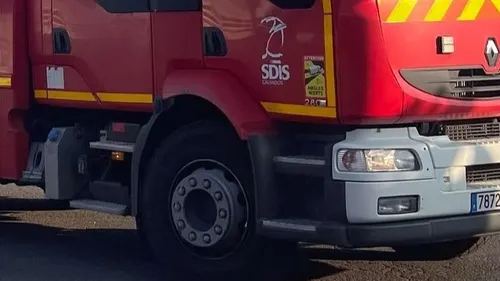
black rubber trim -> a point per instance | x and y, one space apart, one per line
143 6
335 198
175 5
296 4
158 104
300 169
262 149
334 202
124 6
214 42
137 156
61 41
393 234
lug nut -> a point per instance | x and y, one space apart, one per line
181 224
218 196
206 238
182 191
223 213
192 182
192 236
177 207
218 229
207 184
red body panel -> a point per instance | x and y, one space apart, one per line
372 51
173 47
247 33
367 91
111 53
272 54
134 53
418 50
219 87
14 98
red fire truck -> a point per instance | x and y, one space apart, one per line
233 129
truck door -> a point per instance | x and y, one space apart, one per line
14 88
99 58
177 36
282 49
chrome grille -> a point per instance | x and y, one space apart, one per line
473 131
459 83
482 173
474 83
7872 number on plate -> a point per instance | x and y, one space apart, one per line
485 201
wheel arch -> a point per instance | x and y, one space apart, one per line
189 96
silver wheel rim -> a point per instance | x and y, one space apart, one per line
209 209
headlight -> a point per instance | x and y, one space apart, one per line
376 160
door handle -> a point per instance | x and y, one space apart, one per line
61 42
214 42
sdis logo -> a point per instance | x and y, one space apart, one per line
275 73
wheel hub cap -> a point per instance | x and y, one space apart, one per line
205 208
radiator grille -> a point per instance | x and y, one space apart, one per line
460 83
473 131
482 173
474 83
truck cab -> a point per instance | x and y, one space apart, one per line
234 129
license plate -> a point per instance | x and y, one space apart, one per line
485 201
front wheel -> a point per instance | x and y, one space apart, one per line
443 250
197 207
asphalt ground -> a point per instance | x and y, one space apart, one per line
79 245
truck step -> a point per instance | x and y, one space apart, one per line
108 191
291 224
99 206
113 146
302 230
301 165
33 175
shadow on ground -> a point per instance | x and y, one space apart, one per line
39 252
32 204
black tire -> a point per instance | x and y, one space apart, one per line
145 250
443 250
203 140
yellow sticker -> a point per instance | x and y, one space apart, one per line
314 77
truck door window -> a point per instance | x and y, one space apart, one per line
175 5
124 6
135 6
293 4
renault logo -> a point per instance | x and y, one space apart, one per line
491 52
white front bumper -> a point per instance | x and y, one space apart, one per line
440 183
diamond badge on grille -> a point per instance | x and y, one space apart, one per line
491 52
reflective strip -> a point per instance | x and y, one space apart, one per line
496 3
471 10
438 10
90 97
40 94
329 62
70 95
5 81
125 97
327 6
297 109
400 11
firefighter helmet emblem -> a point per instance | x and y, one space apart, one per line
278 26
491 52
